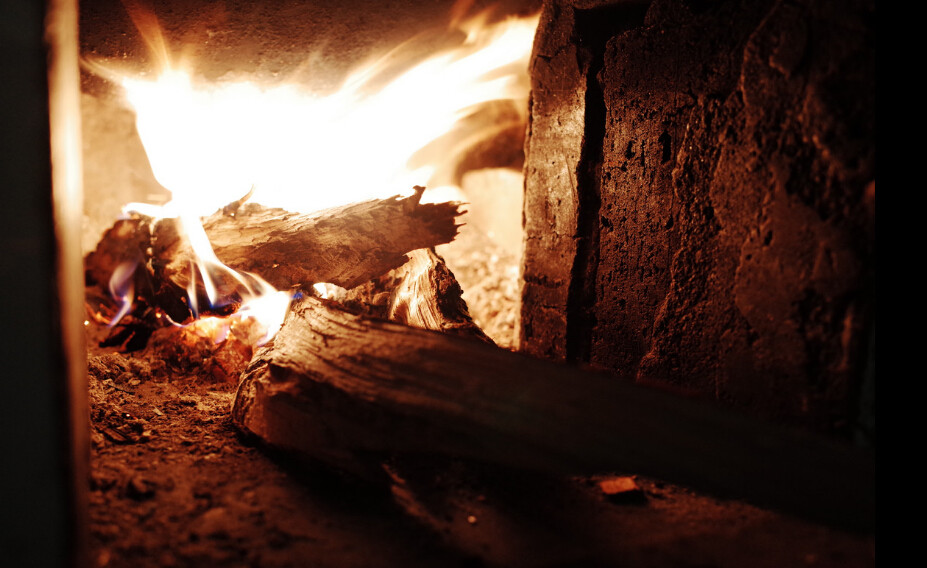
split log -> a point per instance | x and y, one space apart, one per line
333 383
346 245
428 296
423 293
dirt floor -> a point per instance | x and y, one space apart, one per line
173 484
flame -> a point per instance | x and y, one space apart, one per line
122 289
209 142
261 316
261 302
329 291
381 133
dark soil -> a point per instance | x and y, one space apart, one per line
173 484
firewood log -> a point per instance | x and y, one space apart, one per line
334 383
346 245
428 296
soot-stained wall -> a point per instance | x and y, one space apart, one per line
700 200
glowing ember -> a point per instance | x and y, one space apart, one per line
262 316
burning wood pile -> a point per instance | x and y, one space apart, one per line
139 279
407 117
346 247
201 293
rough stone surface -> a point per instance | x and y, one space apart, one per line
556 134
715 229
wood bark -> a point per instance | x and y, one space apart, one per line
333 383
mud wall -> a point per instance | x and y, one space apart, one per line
700 200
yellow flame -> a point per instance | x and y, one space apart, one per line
208 143
303 151
261 302
264 315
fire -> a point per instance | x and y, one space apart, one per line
122 289
381 133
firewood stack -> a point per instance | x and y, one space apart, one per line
357 247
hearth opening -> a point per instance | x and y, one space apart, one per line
451 283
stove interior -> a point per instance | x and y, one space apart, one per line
677 193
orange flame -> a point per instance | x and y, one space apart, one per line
208 143
302 151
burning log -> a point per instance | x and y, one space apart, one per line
347 246
333 383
